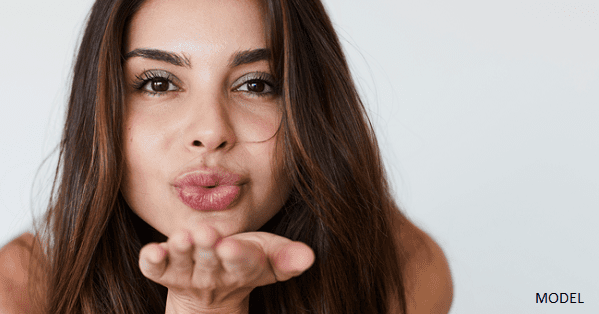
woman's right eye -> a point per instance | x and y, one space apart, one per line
155 83
159 85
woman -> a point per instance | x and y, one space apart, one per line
216 158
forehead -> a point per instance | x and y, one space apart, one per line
197 25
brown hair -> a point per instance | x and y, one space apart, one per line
340 204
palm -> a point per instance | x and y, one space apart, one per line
205 272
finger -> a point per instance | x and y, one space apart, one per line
287 258
153 260
180 260
205 238
243 259
290 260
207 267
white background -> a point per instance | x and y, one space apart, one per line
487 113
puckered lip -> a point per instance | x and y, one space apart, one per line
209 189
207 177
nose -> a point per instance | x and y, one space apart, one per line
209 127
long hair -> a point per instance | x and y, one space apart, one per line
340 204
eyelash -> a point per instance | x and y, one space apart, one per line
259 77
147 77
141 81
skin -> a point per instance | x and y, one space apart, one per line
212 260
427 277
160 130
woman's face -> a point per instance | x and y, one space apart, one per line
201 117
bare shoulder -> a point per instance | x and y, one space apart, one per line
427 277
14 261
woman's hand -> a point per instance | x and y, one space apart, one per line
205 273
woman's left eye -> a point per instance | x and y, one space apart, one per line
256 86
259 84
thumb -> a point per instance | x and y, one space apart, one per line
286 257
290 259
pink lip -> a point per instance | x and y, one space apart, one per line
208 189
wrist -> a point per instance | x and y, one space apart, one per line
177 305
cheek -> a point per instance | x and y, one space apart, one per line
141 148
141 134
279 180
267 159
145 142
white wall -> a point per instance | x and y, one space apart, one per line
38 41
487 114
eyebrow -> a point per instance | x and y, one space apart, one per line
249 56
239 58
160 55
